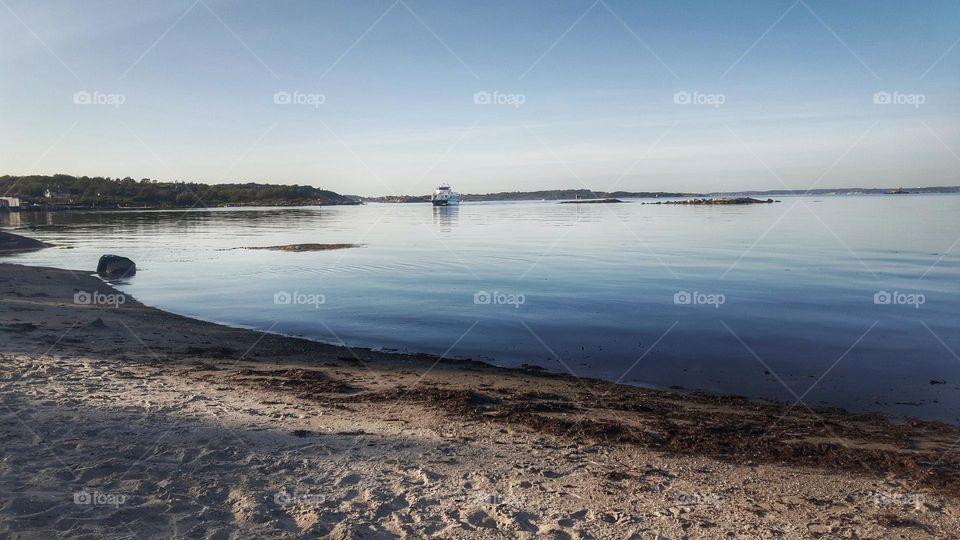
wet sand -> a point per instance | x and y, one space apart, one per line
121 420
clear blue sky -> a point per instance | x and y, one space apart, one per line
597 81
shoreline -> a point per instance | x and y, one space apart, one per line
386 352
675 388
629 459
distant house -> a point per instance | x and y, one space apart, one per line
12 203
50 194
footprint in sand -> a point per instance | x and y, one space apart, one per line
481 519
573 518
428 477
349 480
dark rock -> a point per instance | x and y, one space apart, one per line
592 201
115 267
98 323
937 381
11 243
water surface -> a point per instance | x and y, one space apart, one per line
788 289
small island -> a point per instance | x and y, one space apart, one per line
592 201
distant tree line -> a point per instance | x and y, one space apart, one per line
106 192
549 195
573 194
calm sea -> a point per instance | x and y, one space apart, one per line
849 301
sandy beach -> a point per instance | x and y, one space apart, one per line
120 420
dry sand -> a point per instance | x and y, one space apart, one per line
128 421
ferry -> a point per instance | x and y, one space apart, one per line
444 196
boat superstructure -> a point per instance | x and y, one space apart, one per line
444 196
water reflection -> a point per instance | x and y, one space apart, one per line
10 219
446 217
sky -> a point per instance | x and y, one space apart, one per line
391 97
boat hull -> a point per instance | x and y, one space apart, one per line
444 202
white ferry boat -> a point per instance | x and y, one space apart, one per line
444 196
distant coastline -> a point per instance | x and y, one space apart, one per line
574 194
845 191
62 192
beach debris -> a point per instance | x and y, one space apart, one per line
116 267
20 328
213 351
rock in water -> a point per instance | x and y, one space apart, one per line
98 323
12 243
115 267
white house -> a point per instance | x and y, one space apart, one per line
10 202
50 194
